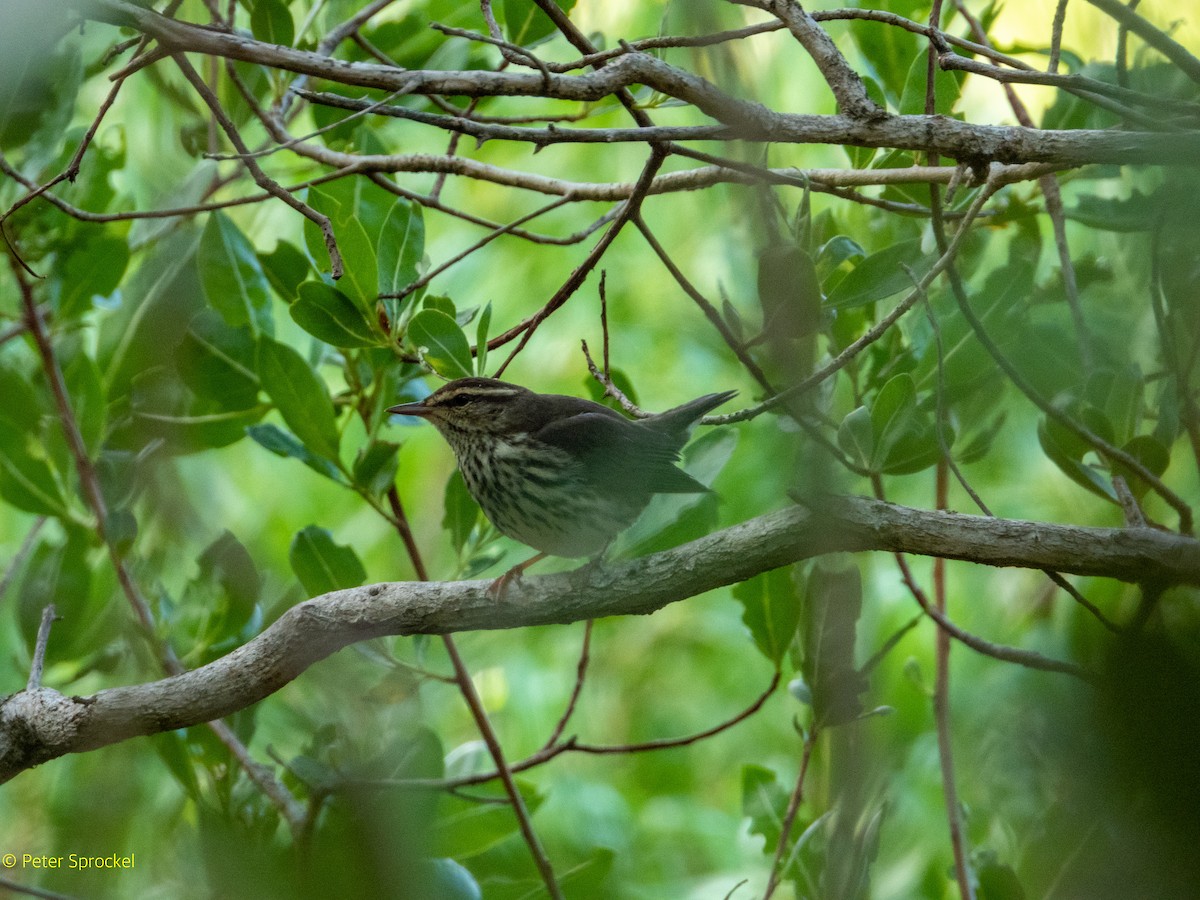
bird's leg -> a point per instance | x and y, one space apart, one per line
498 587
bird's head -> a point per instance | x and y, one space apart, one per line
471 406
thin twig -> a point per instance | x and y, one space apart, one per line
789 816
260 177
38 665
580 673
577 277
462 677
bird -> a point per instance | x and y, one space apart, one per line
560 474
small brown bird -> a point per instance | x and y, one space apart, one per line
561 474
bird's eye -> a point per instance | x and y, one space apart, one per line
458 400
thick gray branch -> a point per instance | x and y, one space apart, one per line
746 119
40 724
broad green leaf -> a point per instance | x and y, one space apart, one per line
467 828
375 467
526 25
329 315
271 22
442 304
880 275
771 610
91 268
835 251
789 292
172 749
357 210
461 511
86 396
1150 453
158 302
856 436
233 279
21 406
323 566
481 339
300 396
1119 393
26 481
947 86
400 246
230 565
905 439
893 405
1137 212
442 343
286 268
283 443
59 573
832 606
764 802
887 52
1066 450
218 363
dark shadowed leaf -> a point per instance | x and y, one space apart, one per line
323 566
233 279
329 315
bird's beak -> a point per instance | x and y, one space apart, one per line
410 409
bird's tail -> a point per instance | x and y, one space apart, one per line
682 418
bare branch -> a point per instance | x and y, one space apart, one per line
36 726
939 134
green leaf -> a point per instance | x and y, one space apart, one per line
158 302
217 363
323 566
87 401
286 268
881 275
1137 212
835 251
300 396
856 436
26 481
329 315
905 440
525 24
1066 450
461 511
92 267
357 221
21 406
467 827
947 85
400 247
771 611
233 279
832 606
441 342
481 339
282 443
1151 453
764 803
888 51
789 292
375 467
271 21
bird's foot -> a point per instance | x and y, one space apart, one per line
498 588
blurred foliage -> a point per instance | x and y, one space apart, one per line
231 397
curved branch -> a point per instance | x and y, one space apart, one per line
41 724
752 121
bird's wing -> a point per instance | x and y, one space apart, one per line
620 454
